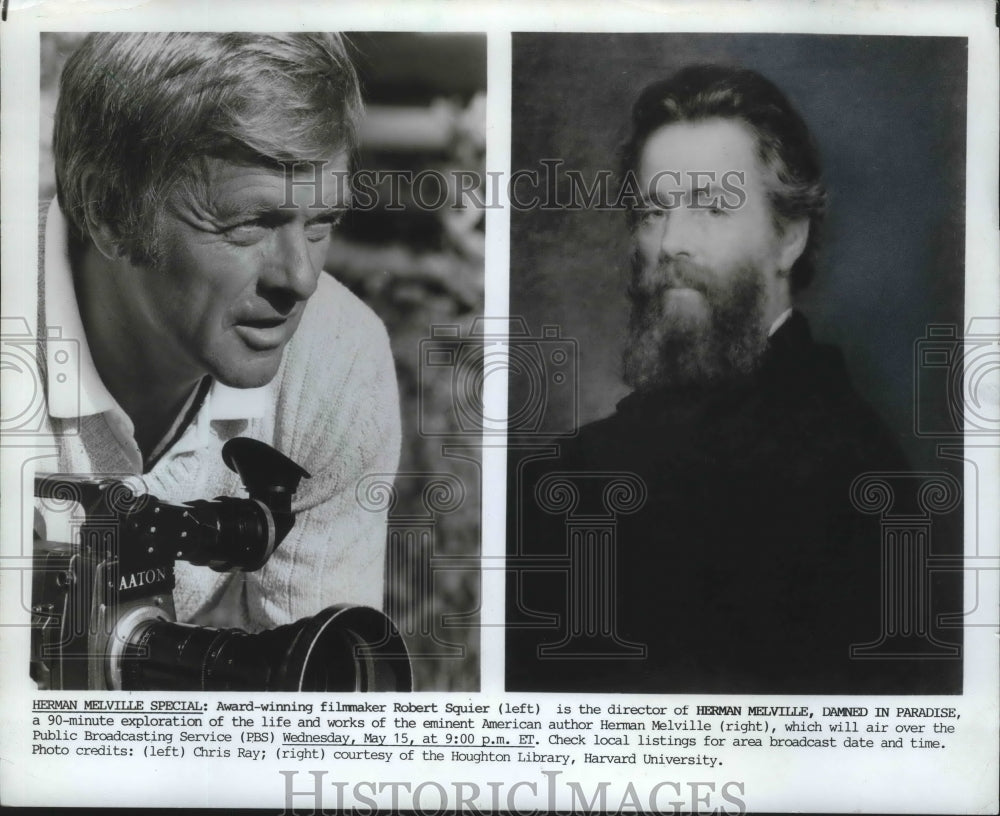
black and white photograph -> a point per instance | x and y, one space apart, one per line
499 406
742 239
243 299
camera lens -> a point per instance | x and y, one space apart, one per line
343 648
230 534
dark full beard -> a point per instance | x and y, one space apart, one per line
725 348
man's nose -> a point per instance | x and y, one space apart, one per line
677 236
291 269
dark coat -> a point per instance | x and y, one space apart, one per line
747 568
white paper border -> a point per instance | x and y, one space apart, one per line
966 781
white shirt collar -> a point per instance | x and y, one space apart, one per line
779 321
76 390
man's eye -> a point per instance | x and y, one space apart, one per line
320 230
249 232
650 215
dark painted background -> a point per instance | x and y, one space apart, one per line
889 115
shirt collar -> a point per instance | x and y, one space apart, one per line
224 402
779 321
88 394
80 392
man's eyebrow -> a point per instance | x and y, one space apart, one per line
259 206
659 201
338 207
331 211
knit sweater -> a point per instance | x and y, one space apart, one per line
332 407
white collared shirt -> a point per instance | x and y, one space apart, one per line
779 321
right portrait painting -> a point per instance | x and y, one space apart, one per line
735 450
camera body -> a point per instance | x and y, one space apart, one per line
81 592
102 607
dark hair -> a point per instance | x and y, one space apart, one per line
137 111
784 144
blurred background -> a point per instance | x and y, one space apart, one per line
417 268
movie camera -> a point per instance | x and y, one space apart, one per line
102 607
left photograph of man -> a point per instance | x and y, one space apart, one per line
229 427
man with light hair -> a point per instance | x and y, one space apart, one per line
199 177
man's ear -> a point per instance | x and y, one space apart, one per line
792 243
102 236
